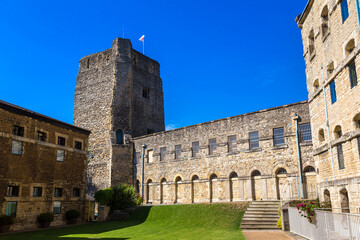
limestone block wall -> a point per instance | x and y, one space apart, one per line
242 174
334 51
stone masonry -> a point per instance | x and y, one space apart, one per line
330 34
118 95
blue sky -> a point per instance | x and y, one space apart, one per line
218 58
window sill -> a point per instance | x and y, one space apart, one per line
283 146
232 153
307 143
253 150
195 158
213 155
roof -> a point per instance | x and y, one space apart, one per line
301 18
26 112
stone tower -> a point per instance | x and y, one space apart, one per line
118 95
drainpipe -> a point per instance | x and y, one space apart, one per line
296 118
327 123
358 13
142 170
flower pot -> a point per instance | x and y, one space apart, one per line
5 228
45 224
72 221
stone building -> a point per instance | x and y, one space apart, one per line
118 95
43 166
330 34
252 156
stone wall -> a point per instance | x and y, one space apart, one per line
225 176
331 51
109 100
37 166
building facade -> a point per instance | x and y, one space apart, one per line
118 95
253 156
330 34
43 166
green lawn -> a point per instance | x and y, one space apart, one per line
197 221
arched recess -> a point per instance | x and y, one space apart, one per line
344 198
337 132
119 137
327 196
310 182
178 181
194 194
321 135
350 46
325 21
149 191
356 120
256 190
137 186
162 186
311 43
281 183
211 186
232 183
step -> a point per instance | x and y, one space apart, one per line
261 213
257 226
264 205
260 219
266 202
243 223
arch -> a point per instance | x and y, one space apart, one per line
119 137
256 185
330 68
327 196
211 187
231 185
344 198
325 21
193 178
321 135
148 191
309 169
162 182
349 47
337 132
356 120
177 176
177 180
280 180
316 84
309 173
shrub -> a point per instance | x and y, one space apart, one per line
46 217
6 220
279 223
139 201
71 214
105 196
124 196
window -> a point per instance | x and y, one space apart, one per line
61 141
119 137
212 146
325 21
78 145
309 169
344 10
350 46
333 92
338 132
12 191
177 151
57 207
281 171
311 43
278 136
321 135
137 157
11 209
162 153
18 131
37 192
254 140
352 73
330 69
17 147
305 132
41 136
232 144
58 192
60 155
340 156
76 192
195 149
146 93
150 156
316 84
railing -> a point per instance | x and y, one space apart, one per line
327 225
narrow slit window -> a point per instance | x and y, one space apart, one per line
344 10
340 155
162 153
353 75
333 92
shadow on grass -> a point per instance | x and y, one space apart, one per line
87 231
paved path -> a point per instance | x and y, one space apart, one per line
266 235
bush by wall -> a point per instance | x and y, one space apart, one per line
104 196
125 196
46 217
6 220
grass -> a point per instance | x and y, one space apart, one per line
197 221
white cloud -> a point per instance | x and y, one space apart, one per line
170 127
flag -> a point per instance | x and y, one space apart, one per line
142 38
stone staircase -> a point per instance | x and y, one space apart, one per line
261 215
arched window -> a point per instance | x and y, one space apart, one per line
357 121
281 171
321 135
178 179
137 186
330 68
309 169
316 84
327 196
325 22
345 208
119 137
213 176
350 47
311 43
195 177
337 132
255 173
233 175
